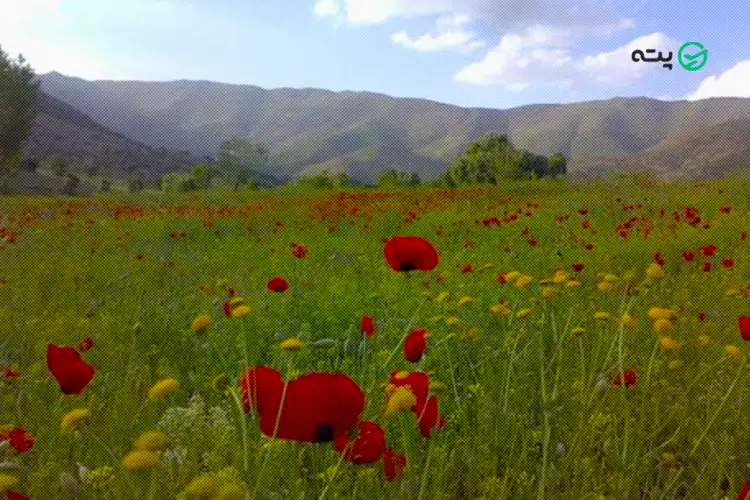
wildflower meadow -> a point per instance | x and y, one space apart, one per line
535 341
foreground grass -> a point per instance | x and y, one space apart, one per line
531 412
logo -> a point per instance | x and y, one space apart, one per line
692 56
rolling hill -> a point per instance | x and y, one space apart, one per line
308 130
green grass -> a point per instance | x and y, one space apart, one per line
530 411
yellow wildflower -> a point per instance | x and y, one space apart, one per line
162 388
241 311
628 320
233 491
662 313
501 308
152 441
609 278
549 292
734 351
292 344
579 330
675 364
400 399
73 419
662 325
442 296
524 313
560 277
7 483
669 459
605 286
704 340
201 323
602 316
472 333
523 280
140 460
655 271
203 487
669 344
512 276
732 292
452 320
465 300
572 284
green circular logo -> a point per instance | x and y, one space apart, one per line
690 59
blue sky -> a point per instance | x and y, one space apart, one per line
490 53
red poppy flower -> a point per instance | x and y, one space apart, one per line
706 267
227 309
316 407
744 324
727 263
467 268
70 371
368 445
629 376
415 344
410 253
745 492
299 250
701 316
10 373
278 284
708 250
578 267
394 464
659 259
86 344
20 439
368 326
12 495
725 209
688 255
428 417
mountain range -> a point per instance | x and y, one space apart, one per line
161 126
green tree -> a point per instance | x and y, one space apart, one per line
558 165
341 180
56 164
202 175
239 159
136 185
18 108
71 185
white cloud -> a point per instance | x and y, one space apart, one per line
326 8
734 82
28 29
499 14
541 56
449 35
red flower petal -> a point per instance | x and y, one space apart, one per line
368 326
70 371
410 253
428 417
394 464
415 344
278 284
368 445
316 407
744 324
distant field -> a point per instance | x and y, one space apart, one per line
583 343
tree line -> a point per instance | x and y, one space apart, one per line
242 163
